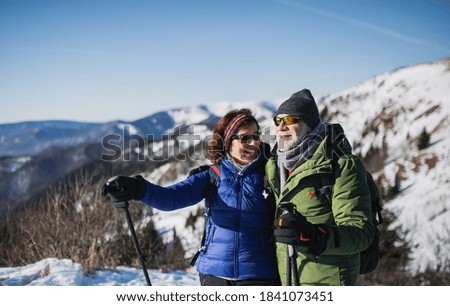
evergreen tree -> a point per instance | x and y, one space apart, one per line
424 140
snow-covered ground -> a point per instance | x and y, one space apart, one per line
64 272
55 282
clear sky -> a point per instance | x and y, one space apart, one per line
103 60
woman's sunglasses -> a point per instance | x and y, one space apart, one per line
287 120
246 138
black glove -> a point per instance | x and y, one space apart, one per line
124 188
294 229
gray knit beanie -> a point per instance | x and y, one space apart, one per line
301 104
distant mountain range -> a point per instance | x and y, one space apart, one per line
32 138
35 154
35 137
384 119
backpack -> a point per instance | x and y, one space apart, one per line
370 257
214 175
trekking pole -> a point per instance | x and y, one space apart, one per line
293 257
124 205
291 251
288 266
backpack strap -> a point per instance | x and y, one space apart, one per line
214 179
327 181
375 200
198 170
214 176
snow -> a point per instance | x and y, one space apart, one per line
423 209
128 128
64 272
15 164
262 111
408 90
399 105
60 281
189 115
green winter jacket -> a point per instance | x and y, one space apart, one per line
348 218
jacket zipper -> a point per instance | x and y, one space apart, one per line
239 206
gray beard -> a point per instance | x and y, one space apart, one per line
299 153
286 145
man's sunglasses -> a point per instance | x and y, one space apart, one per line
246 138
287 120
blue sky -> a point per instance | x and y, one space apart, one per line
104 60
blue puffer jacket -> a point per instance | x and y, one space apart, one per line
239 229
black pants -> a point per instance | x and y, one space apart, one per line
211 280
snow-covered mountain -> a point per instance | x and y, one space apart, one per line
31 138
384 118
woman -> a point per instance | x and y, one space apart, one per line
238 248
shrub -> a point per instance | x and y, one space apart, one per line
75 222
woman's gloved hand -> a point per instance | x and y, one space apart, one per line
124 188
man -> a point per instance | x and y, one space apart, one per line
319 235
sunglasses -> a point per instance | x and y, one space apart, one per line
287 120
246 138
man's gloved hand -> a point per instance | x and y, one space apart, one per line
294 229
124 188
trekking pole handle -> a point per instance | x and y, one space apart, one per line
123 204
290 208
287 206
291 249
